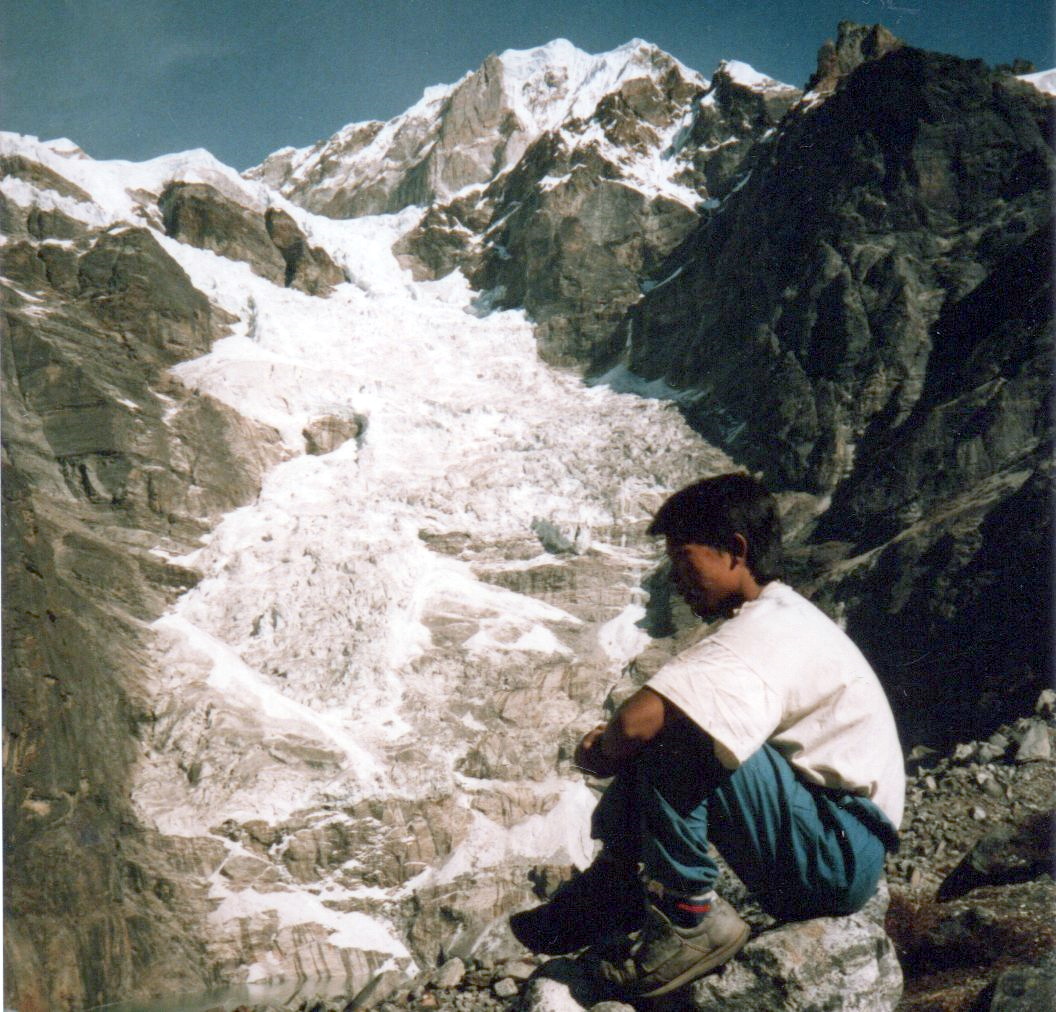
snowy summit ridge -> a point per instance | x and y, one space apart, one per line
471 132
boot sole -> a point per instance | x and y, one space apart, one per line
713 960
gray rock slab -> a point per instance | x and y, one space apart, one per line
839 963
1026 988
843 964
450 974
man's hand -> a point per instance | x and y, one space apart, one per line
604 750
589 757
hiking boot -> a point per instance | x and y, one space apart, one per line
606 899
664 956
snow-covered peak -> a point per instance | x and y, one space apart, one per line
523 63
462 134
1043 80
748 77
577 81
113 192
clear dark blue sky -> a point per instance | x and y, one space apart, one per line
138 78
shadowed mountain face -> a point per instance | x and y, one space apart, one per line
869 317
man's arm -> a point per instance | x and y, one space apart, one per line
605 749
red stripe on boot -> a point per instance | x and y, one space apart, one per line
694 908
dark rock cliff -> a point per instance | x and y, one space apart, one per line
570 232
273 245
728 121
869 317
104 460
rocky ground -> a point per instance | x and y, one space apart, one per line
972 896
972 889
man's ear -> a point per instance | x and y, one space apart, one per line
739 548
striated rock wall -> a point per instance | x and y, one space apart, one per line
110 469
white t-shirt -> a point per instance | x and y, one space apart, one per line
781 671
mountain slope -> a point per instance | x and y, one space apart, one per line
461 135
304 545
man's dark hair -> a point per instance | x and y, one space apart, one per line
710 512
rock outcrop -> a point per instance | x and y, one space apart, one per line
273 245
308 268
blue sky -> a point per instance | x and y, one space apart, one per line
138 78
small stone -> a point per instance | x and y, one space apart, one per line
979 814
506 988
989 751
919 754
964 751
992 789
450 974
1046 704
1034 745
380 988
930 784
519 970
916 878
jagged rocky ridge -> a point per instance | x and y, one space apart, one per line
146 895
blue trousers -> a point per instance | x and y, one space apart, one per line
804 851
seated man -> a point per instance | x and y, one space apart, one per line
770 738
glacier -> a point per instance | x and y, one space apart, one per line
335 632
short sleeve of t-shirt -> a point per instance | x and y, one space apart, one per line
729 700
780 671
